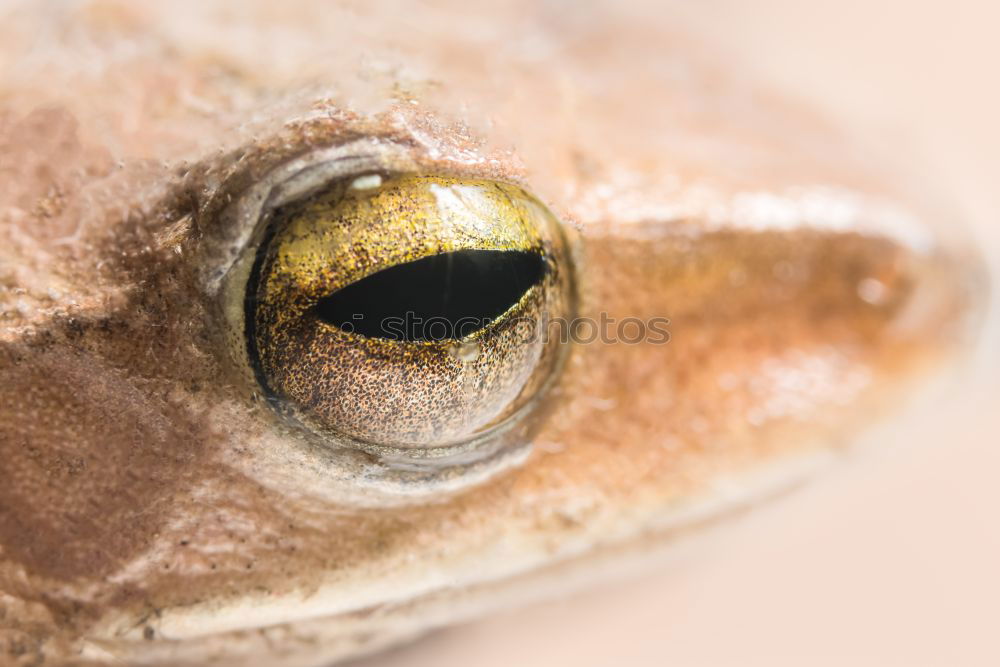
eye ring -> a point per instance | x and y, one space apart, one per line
502 438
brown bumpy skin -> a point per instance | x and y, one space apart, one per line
154 510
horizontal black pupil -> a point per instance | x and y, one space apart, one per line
446 296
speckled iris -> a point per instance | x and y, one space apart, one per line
403 393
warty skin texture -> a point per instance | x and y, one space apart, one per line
153 511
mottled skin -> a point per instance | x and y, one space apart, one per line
152 511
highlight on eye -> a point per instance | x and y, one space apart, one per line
386 310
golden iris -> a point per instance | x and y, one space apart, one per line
410 311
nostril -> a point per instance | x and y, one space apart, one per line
949 298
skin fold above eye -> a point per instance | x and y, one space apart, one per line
160 504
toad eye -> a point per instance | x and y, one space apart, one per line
406 313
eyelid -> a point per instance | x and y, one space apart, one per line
240 221
237 192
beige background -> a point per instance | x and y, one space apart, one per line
894 560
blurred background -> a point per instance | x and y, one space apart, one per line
894 559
